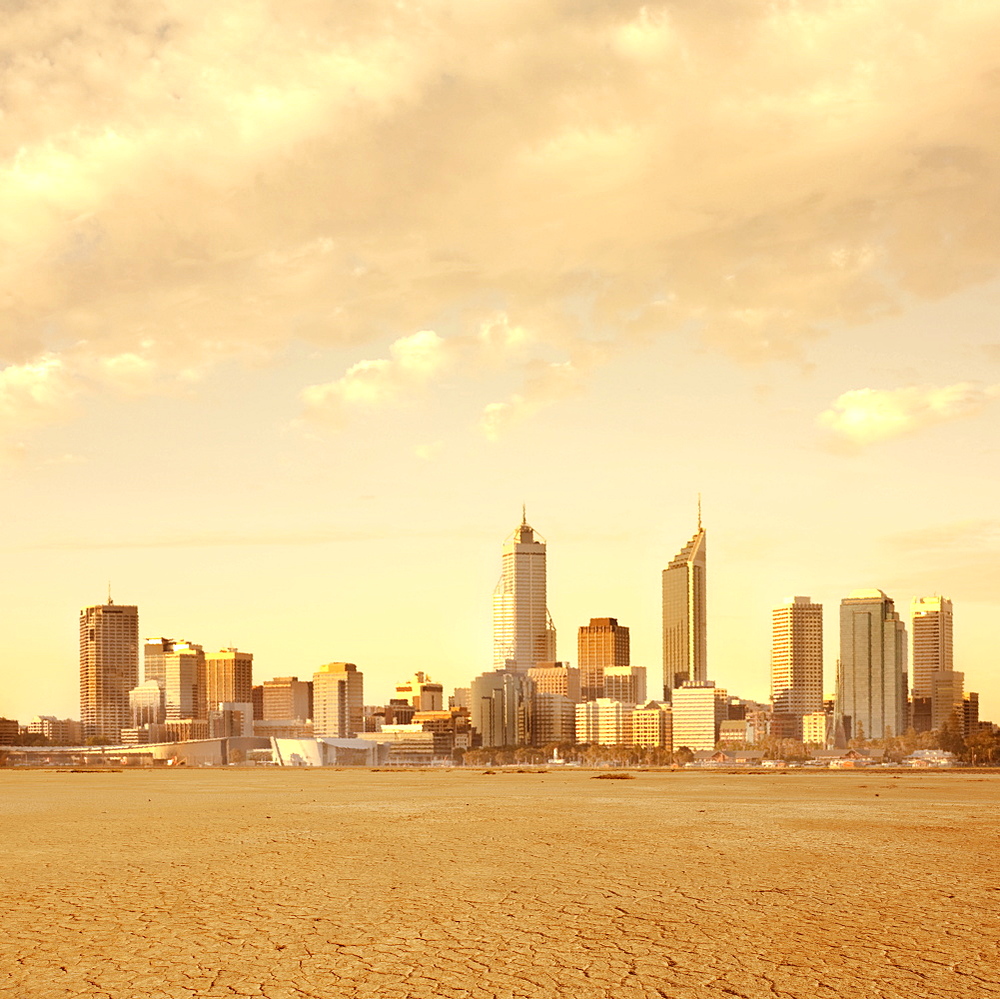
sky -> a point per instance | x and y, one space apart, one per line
300 302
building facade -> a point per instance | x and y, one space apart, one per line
693 716
871 675
553 718
109 668
626 684
685 656
652 725
556 678
421 692
931 621
797 661
185 681
523 633
599 645
228 678
501 708
604 722
338 701
286 697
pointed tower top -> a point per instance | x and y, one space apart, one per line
699 511
524 515
110 601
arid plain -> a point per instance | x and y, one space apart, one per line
291 883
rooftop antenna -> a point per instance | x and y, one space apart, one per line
699 511
110 601
524 515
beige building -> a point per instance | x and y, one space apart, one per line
604 722
338 701
600 644
932 619
796 660
147 703
421 692
693 716
286 697
501 704
556 678
625 683
184 666
109 668
814 728
228 677
60 731
652 725
523 633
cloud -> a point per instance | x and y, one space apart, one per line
227 179
546 385
414 360
865 416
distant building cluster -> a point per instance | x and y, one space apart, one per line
530 698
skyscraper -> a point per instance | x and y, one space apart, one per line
184 666
501 708
523 633
109 668
932 655
601 644
871 674
338 700
228 677
684 621
797 660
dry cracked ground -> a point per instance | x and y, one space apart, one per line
296 883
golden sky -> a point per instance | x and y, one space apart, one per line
301 301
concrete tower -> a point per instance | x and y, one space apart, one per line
523 633
109 668
684 621
871 675
932 658
797 660
600 645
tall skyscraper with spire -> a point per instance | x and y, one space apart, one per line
523 633
684 631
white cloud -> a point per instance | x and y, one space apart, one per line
864 416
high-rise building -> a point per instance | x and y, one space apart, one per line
228 677
286 697
604 722
109 668
553 718
948 700
148 703
184 666
693 716
796 661
626 684
600 644
932 641
501 704
556 678
338 700
871 674
684 621
652 725
154 662
523 633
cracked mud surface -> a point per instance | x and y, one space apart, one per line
293 883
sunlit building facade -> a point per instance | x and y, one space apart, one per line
796 661
228 678
599 645
871 675
693 716
685 655
338 701
523 633
109 668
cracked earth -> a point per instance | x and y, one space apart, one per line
291 883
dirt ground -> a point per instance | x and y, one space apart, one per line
320 883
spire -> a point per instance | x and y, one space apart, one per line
524 515
110 601
699 513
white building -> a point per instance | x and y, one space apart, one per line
693 716
652 725
932 632
523 633
338 701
